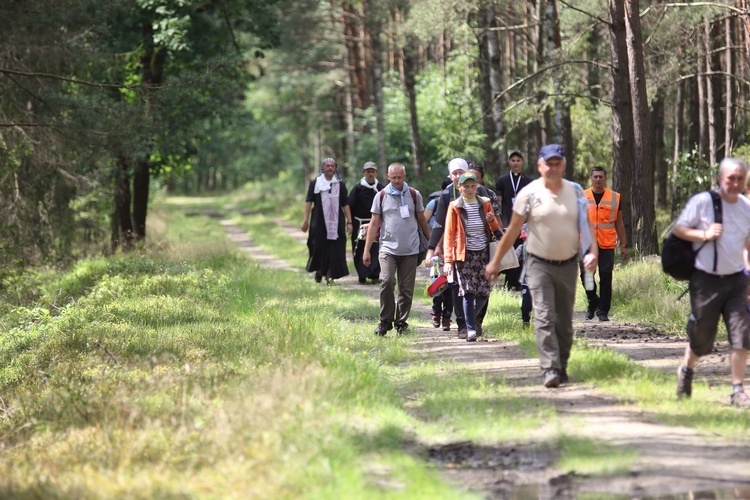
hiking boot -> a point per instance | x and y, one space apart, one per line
435 321
383 328
462 333
603 317
471 336
740 400
362 281
551 378
564 379
401 327
318 278
447 324
684 382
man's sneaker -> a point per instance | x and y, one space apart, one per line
551 378
401 327
564 379
471 336
740 399
435 321
603 317
383 328
446 324
462 333
684 382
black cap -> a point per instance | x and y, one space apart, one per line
515 153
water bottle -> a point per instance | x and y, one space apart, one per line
588 281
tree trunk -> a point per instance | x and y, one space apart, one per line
377 81
643 218
745 6
622 112
357 66
658 148
492 85
729 90
152 66
410 69
710 110
678 125
124 236
141 181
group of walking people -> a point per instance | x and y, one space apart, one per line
568 233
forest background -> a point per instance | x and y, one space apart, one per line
104 104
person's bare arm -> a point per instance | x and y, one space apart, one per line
306 223
698 235
372 228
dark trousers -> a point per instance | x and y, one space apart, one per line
602 302
513 276
442 305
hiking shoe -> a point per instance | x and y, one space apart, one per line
740 400
362 281
401 327
551 378
383 328
471 336
435 321
462 333
603 317
447 324
684 382
318 278
564 379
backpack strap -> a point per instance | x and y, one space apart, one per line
716 199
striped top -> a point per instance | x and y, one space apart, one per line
476 236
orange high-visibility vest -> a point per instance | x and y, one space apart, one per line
604 216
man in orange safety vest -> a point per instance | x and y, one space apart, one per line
605 214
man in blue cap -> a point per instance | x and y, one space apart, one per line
555 214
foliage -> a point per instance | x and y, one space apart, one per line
690 175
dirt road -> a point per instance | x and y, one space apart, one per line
672 460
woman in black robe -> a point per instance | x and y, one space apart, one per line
331 219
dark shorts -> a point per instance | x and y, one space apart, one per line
713 296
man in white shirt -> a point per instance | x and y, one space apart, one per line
719 285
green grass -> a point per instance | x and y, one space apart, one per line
185 369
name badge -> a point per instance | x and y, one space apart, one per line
405 211
513 201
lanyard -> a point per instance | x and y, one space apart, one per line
516 185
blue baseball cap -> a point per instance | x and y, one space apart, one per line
551 151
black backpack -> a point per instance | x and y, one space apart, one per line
678 256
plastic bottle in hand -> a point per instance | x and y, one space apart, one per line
588 281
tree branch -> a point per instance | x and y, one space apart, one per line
699 4
592 16
74 80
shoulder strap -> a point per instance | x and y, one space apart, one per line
716 199
414 198
382 195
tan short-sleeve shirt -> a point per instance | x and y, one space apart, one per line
552 220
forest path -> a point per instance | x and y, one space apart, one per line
671 459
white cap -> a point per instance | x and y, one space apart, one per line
457 164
